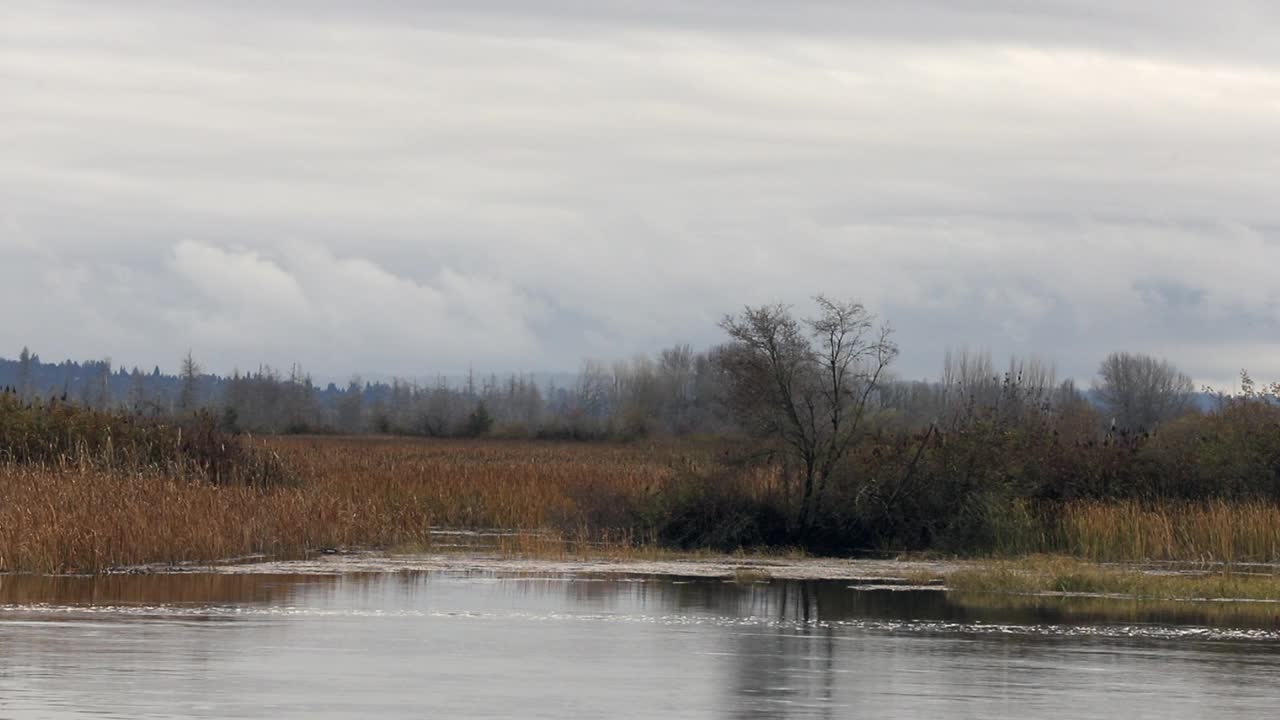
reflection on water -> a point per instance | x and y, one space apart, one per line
192 589
456 645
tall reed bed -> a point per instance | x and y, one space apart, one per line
517 485
66 520
363 492
1216 531
60 514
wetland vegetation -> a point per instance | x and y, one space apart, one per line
87 491
792 436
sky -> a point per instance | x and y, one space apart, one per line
410 187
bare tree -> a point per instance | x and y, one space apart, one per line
969 377
351 407
438 416
1141 391
137 399
806 384
100 380
189 374
593 394
25 362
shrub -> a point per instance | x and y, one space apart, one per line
57 434
714 512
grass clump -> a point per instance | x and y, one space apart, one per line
1053 574
1092 610
749 576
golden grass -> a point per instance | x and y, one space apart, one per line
363 492
1055 574
481 484
750 576
1214 531
60 521
558 499
1088 610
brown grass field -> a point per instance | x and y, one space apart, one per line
377 492
353 492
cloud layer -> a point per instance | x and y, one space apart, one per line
417 187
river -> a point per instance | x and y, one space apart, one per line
488 644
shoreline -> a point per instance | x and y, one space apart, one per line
1043 578
721 566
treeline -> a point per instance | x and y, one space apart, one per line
673 393
677 392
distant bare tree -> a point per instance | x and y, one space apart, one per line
100 382
189 374
137 398
351 407
438 415
593 393
638 395
806 384
25 363
1141 391
969 377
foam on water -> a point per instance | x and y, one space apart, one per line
108 615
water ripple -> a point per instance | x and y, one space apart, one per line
105 615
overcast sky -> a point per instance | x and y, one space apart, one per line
410 187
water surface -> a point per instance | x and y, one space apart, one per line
434 644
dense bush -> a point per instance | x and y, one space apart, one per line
992 481
714 512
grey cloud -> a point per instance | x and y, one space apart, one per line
1151 27
1171 295
410 187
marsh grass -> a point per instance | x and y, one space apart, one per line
1229 532
63 436
1121 610
54 520
88 512
750 576
557 500
1129 530
1053 574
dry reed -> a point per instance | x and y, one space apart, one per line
1209 532
560 498
362 492
1051 574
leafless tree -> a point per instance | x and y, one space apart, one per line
137 399
1141 391
593 393
24 373
676 375
970 384
189 374
351 407
806 384
439 415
